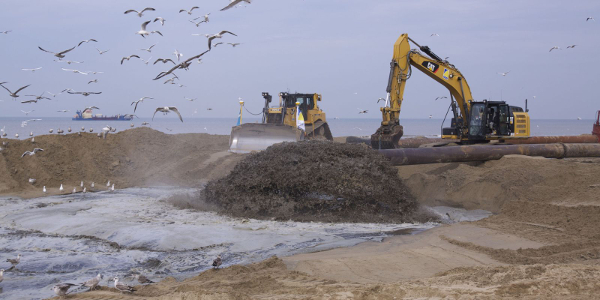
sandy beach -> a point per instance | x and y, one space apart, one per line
541 241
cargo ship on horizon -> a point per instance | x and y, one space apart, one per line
87 115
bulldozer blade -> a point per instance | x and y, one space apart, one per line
252 137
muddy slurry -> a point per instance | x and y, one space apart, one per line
314 181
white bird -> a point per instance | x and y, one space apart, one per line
35 150
44 189
217 36
162 21
86 41
142 279
149 48
92 185
217 262
189 12
434 34
233 44
553 48
590 18
205 17
178 54
102 51
16 135
139 13
95 72
112 188
61 289
147 60
84 190
93 81
61 188
51 130
190 99
31 133
69 61
93 283
59 54
32 70
14 95
1 275
123 287
504 74
578 118
197 24
74 190
74 71
128 58
430 116
63 111
54 95
29 101
69 129
234 3
5 31
14 261
108 183
91 129
27 112
84 93
143 32
571 46
32 140
81 185
138 101
32 180
167 109
360 111
164 61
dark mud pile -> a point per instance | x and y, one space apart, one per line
313 181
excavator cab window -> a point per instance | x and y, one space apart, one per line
477 128
504 121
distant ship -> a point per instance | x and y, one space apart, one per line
87 115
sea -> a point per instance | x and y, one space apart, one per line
222 126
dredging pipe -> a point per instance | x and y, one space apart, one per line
414 156
584 138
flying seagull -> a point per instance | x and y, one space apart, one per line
571 46
233 44
140 13
143 32
217 44
86 41
590 18
162 21
40 97
178 54
69 61
14 95
217 262
32 70
128 57
123 287
35 150
7 31
90 107
29 101
27 112
102 51
138 102
147 60
197 24
205 17
149 48
93 283
74 71
164 61
189 12
190 99
59 54
217 36
95 72
1 275
61 289
442 97
234 3
167 109
504 74
184 65
362 111
434 34
555 47
84 93
63 111
93 81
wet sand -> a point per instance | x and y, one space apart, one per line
542 242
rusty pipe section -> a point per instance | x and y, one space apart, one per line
584 138
414 156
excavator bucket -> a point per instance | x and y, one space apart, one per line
252 137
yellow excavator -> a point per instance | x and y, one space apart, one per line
279 124
472 122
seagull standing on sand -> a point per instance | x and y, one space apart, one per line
14 95
139 13
143 32
44 189
123 287
234 3
167 109
92 185
217 262
217 36
14 261
74 190
112 188
142 279
59 54
61 188
61 289
93 283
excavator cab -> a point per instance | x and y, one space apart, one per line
496 119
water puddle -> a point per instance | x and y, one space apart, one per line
72 238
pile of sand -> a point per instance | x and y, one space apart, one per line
135 157
313 181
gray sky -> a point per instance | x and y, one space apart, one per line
338 48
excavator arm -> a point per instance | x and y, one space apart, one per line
440 70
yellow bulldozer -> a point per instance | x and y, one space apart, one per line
279 124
